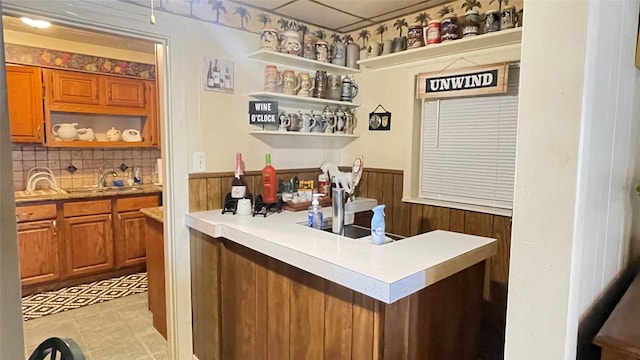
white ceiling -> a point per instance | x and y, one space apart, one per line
343 15
78 35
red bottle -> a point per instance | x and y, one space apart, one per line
269 181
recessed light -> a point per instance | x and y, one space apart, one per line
39 24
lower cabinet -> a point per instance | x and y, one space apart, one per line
70 242
89 244
38 243
39 251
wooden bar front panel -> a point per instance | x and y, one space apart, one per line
249 306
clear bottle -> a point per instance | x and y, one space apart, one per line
238 185
137 175
269 183
314 214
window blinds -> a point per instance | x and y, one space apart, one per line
469 148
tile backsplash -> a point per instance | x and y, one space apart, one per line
87 162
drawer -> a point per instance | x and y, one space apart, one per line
136 203
82 208
35 212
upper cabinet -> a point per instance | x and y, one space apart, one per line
24 90
100 103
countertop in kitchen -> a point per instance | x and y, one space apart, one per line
84 193
154 213
386 272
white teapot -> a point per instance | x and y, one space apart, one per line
114 134
66 132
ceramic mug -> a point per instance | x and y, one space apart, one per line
272 79
86 134
308 122
320 123
492 21
269 39
306 84
295 123
338 51
414 36
289 82
353 55
290 43
322 51
309 46
509 17
244 207
334 86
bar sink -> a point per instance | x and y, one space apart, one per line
354 231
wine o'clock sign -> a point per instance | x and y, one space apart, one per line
479 80
263 112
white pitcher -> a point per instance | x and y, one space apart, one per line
66 132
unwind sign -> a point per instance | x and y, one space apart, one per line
480 80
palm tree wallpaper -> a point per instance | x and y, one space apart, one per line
245 17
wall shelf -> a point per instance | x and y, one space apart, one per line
294 100
462 47
303 140
270 56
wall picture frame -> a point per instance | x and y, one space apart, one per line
380 120
217 75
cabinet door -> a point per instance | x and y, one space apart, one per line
39 252
125 92
131 241
89 244
73 87
24 90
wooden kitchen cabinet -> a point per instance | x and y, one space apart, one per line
70 87
88 237
24 91
130 228
125 92
38 245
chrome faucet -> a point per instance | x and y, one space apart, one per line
102 176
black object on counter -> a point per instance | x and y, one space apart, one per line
266 209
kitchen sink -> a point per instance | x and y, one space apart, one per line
354 231
93 189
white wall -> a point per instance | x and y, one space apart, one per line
571 215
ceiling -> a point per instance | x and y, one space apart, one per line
79 35
343 15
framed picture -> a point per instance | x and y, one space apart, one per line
379 120
217 75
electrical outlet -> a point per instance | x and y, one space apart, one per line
199 162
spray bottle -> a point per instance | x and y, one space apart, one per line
315 213
377 225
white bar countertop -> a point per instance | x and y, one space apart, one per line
386 272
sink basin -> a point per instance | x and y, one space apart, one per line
354 231
94 189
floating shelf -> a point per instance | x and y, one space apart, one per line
452 47
303 140
270 56
298 100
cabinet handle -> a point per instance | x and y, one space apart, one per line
55 228
23 215
109 94
38 132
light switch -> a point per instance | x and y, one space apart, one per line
199 161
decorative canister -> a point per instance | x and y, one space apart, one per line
353 55
334 87
433 32
373 49
399 44
320 91
509 17
309 47
271 78
471 23
387 47
492 21
290 43
322 51
269 39
449 27
415 36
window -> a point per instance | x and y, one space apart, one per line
469 147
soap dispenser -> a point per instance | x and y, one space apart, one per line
315 213
377 225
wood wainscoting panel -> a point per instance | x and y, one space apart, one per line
338 327
279 320
307 316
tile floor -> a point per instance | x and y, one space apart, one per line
112 330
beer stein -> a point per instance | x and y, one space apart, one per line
295 123
320 123
349 89
509 17
309 46
320 90
272 78
334 87
306 84
339 120
289 82
284 121
351 121
269 39
322 51
308 122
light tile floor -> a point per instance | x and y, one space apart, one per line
112 330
